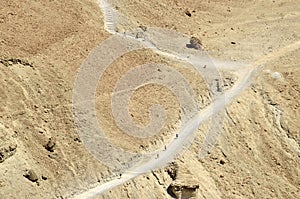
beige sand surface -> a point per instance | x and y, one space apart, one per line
43 44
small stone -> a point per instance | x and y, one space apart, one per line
77 139
188 13
52 156
139 35
276 75
50 144
144 28
222 162
195 43
31 175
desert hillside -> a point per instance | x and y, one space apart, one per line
254 152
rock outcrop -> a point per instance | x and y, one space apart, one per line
195 43
7 151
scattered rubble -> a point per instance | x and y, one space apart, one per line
172 170
11 61
7 151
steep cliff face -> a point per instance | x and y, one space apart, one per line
43 44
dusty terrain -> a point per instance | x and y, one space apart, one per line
43 44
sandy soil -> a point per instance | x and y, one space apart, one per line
43 44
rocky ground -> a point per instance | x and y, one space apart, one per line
43 44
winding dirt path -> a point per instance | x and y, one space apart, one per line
187 133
